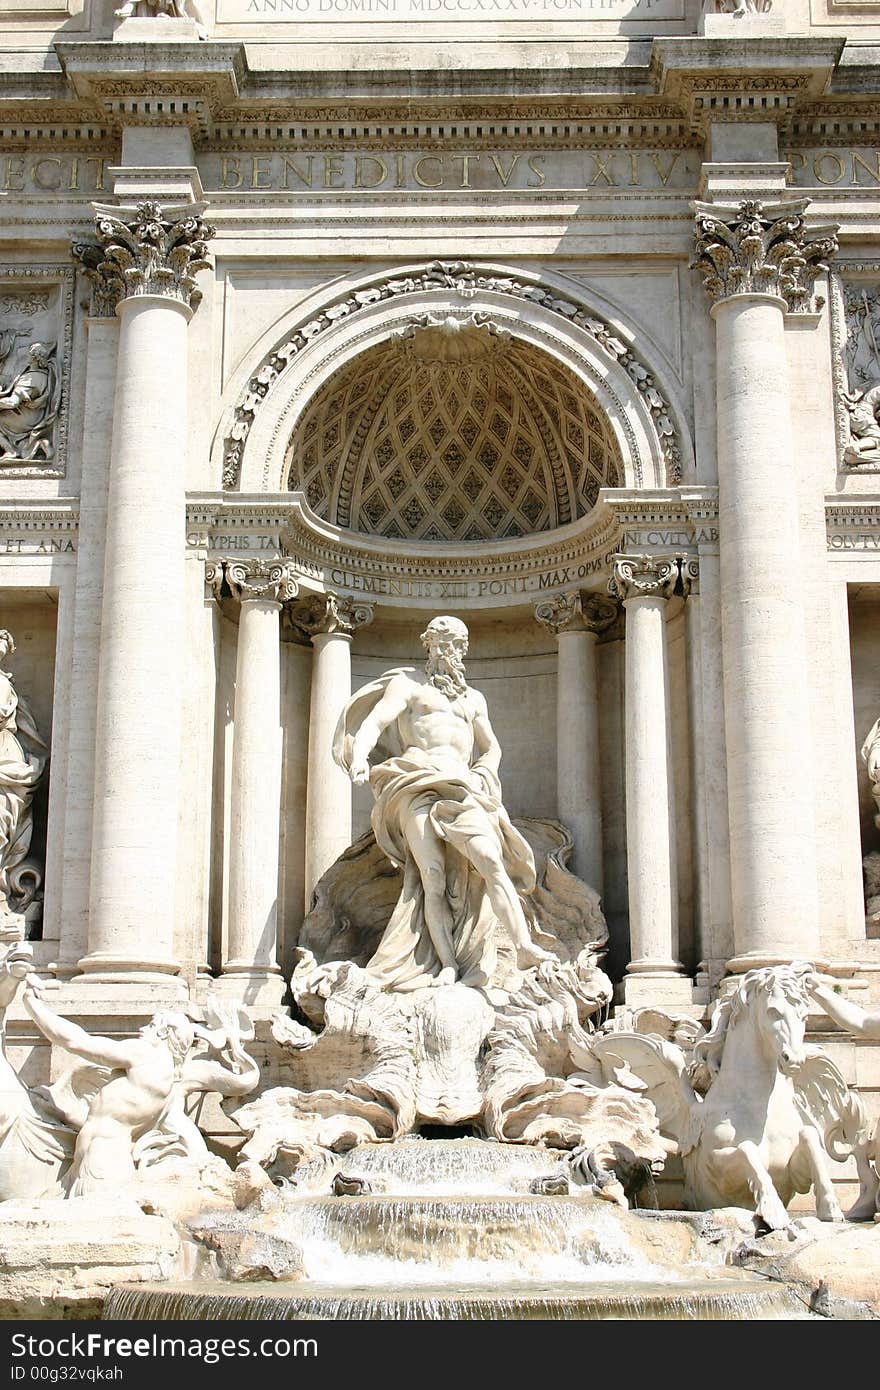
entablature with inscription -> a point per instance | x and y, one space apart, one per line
497 574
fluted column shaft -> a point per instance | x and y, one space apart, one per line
644 585
577 619
137 733
331 623
766 677
250 966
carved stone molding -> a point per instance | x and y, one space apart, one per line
147 249
758 249
321 614
465 280
576 611
269 581
644 576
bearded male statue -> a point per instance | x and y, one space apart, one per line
438 815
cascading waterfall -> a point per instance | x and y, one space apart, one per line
454 1233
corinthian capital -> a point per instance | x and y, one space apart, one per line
320 614
643 576
753 249
576 612
270 580
148 249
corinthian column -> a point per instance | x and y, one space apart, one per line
757 262
331 622
250 968
644 584
577 619
147 259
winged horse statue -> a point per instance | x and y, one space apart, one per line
758 1112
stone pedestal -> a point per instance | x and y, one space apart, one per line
250 967
137 727
766 677
577 619
331 622
644 584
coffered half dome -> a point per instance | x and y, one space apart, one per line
452 430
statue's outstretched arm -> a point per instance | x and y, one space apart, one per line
386 710
850 1016
213 1076
105 1051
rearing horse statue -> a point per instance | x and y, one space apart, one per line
772 1109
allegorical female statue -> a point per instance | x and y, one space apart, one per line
23 755
438 814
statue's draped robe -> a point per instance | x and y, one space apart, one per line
22 759
406 781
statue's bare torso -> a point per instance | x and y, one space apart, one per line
436 723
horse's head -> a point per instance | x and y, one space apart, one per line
774 1003
779 1005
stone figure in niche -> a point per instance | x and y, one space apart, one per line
131 1103
757 1112
870 754
169 9
438 813
864 442
29 405
23 756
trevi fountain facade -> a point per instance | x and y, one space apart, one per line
439 659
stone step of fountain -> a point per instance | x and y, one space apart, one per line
731 1298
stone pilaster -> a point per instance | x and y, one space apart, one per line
149 260
250 967
577 619
330 621
757 263
644 584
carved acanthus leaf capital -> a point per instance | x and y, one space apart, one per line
324 614
758 249
576 612
269 580
148 249
643 576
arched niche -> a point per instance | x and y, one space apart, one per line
621 382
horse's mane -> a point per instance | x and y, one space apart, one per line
727 1013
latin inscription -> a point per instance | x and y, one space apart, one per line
294 172
852 168
387 11
320 171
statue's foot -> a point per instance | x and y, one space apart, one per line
447 976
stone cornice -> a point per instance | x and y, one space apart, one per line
154 84
763 78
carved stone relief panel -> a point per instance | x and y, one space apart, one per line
855 318
36 325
